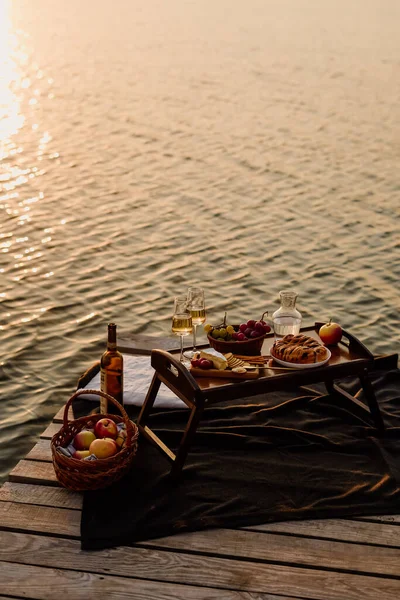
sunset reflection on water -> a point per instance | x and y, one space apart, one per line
21 237
11 83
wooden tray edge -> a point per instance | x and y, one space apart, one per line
225 374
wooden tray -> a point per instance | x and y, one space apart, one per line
225 374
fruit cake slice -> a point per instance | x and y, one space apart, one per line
300 349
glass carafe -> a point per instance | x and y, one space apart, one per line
287 319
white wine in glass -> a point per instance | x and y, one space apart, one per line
181 321
197 306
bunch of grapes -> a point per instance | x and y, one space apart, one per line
238 333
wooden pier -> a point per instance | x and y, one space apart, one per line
41 558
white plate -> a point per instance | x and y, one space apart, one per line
284 363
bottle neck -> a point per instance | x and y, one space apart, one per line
288 299
112 337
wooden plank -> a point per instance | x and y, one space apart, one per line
328 528
40 519
51 430
32 471
40 451
241 544
338 529
59 416
395 519
362 532
341 556
171 567
40 495
42 583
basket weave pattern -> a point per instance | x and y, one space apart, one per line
82 475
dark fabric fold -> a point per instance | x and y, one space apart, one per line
258 460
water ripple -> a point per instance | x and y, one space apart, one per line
138 157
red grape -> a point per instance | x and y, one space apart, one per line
195 363
251 323
243 327
205 363
240 337
255 333
248 331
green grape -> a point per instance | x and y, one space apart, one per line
230 329
215 333
222 333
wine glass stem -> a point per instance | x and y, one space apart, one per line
181 357
194 337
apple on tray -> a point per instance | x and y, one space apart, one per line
83 439
103 448
106 428
330 333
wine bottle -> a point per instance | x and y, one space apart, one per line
111 373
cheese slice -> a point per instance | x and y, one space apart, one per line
219 361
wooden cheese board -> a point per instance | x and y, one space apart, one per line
225 374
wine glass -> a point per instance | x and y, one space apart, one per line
197 307
181 320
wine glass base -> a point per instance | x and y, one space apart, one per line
189 354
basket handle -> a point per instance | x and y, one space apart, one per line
81 392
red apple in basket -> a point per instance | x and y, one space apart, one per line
81 454
103 448
83 439
106 428
330 333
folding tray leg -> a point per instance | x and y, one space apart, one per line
178 459
187 439
373 411
372 401
144 417
149 401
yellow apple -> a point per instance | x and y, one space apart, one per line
81 454
103 448
83 439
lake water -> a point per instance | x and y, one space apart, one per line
146 146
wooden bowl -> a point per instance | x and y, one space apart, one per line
250 347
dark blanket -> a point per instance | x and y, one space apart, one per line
254 461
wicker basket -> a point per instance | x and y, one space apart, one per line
81 475
251 347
